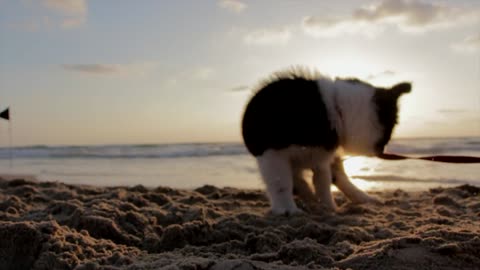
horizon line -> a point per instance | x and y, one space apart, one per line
206 142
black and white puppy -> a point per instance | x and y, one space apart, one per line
297 121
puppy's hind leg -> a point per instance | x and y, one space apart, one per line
276 172
344 184
301 187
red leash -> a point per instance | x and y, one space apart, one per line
440 158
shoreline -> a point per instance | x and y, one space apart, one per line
52 225
373 183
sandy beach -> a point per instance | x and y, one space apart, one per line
51 225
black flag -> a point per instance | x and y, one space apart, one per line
5 114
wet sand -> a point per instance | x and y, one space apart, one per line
51 225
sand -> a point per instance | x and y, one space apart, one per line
51 225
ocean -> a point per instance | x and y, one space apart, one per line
229 164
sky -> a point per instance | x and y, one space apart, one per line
77 72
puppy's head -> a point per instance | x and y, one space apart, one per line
368 114
386 104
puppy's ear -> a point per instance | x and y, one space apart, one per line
401 88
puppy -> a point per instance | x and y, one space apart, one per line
297 121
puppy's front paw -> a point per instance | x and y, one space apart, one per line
368 199
281 211
375 201
328 208
321 208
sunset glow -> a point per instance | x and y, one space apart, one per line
74 72
355 166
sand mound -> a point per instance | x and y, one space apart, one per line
46 225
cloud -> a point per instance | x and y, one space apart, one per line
71 13
71 7
408 16
239 88
468 45
138 69
92 68
385 73
320 27
408 13
233 5
48 14
268 36
203 73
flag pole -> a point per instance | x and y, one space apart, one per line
10 143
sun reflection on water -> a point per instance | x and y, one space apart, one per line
355 167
